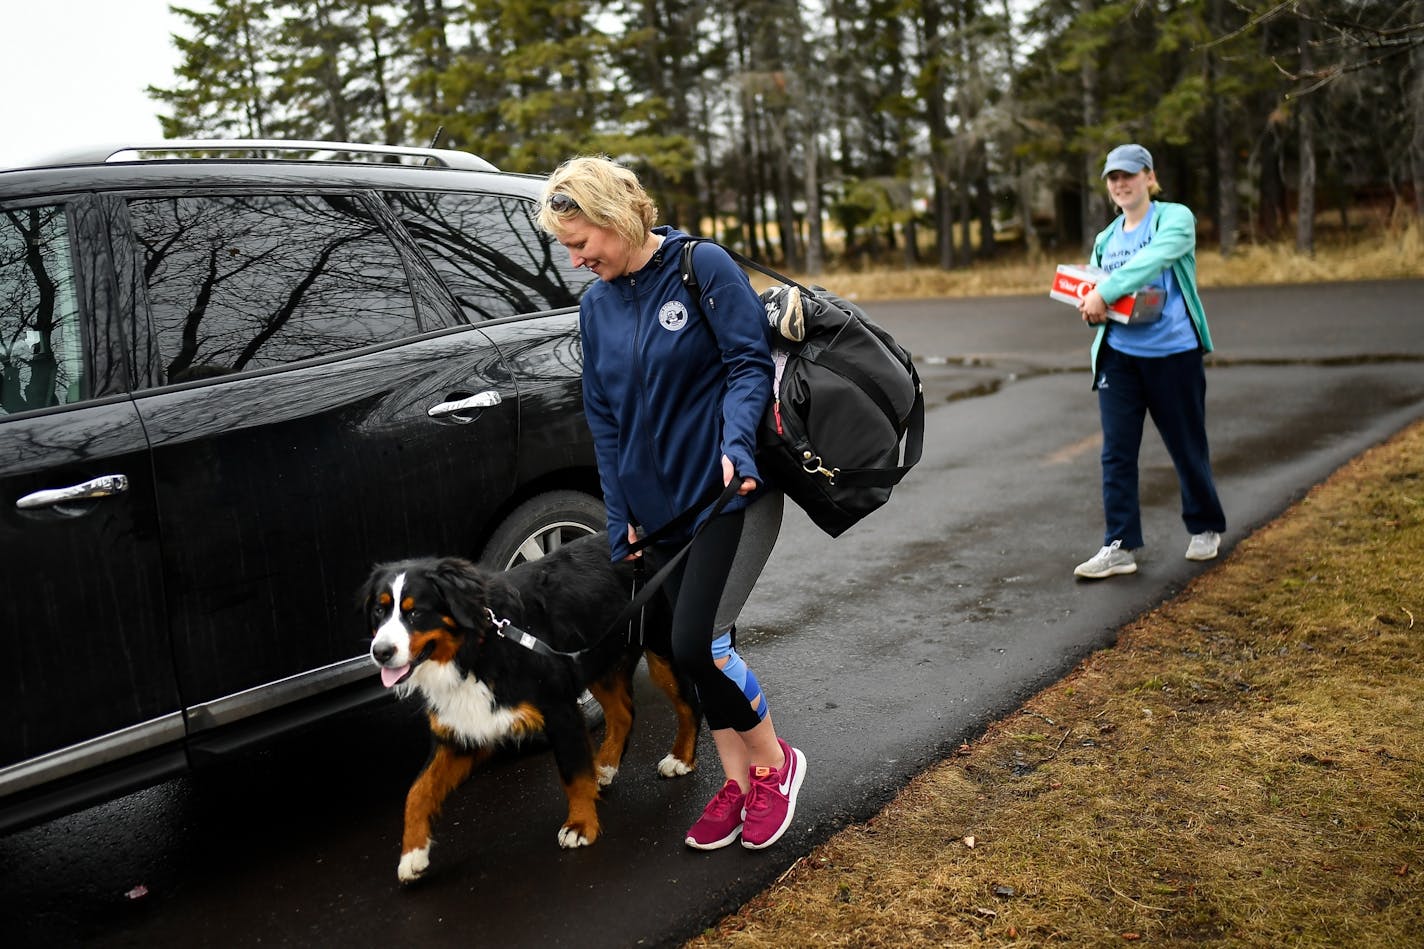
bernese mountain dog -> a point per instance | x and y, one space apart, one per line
438 628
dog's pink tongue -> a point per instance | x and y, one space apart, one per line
390 677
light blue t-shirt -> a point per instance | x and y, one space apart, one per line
1170 334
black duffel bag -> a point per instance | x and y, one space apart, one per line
847 418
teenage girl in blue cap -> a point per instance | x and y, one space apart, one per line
1149 368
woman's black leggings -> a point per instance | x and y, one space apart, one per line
709 588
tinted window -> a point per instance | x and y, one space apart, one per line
490 253
41 353
252 281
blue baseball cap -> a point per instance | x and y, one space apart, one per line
1128 158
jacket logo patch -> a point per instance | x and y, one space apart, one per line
673 316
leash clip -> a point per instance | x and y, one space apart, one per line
524 639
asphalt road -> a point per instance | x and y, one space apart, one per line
880 651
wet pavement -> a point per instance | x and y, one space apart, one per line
881 652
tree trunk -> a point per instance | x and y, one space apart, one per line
937 122
254 106
1228 205
427 22
709 179
1416 98
964 253
390 127
1021 176
331 74
988 246
944 219
816 236
1094 211
1273 198
785 212
1305 199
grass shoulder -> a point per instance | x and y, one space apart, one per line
1244 767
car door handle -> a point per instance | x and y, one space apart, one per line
100 487
482 400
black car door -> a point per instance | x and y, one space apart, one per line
89 678
309 415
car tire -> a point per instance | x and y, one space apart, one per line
541 524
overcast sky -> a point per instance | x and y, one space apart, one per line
73 72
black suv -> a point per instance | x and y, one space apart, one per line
232 383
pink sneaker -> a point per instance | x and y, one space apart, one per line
721 822
771 802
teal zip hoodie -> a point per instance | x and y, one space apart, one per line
1174 244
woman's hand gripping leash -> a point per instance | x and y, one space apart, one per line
729 472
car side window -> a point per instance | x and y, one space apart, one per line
238 282
41 350
490 252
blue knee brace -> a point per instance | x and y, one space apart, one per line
739 672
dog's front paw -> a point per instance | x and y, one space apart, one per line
413 864
571 836
674 767
606 774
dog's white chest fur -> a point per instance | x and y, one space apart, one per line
463 703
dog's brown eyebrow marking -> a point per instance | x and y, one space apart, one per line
408 604
385 598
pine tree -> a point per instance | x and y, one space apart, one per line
225 78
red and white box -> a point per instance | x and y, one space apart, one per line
1072 282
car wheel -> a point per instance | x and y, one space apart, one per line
542 524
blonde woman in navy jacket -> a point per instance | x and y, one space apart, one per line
674 387
1154 368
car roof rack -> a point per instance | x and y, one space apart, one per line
317 151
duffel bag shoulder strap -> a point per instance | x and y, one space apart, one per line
689 275
914 432
914 420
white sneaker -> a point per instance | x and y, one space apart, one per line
1204 546
1109 561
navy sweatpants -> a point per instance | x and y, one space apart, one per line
1172 389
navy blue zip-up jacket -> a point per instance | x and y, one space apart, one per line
671 384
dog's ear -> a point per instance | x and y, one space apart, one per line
367 594
462 587
504 598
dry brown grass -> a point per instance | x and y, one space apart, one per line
1244 768
1387 253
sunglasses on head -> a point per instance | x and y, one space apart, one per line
561 203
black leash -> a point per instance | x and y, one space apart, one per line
641 592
